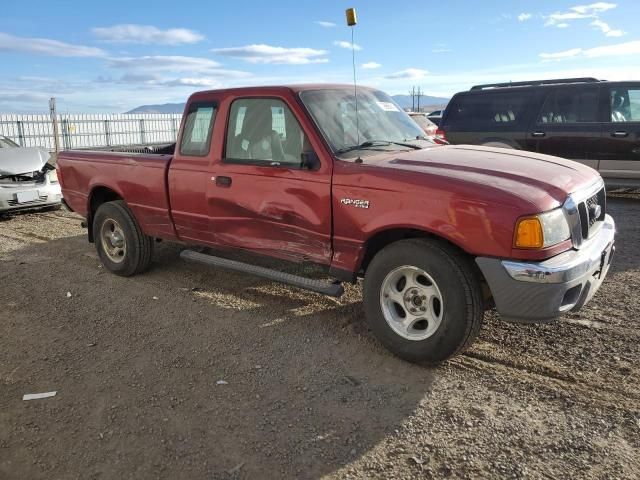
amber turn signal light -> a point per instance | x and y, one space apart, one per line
529 233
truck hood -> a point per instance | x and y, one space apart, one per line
531 176
16 161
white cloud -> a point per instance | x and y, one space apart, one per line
593 8
562 19
618 50
199 82
343 44
606 29
159 70
371 65
131 33
45 46
523 17
441 50
409 74
561 55
22 97
325 24
159 63
274 55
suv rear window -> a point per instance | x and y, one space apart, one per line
570 106
488 110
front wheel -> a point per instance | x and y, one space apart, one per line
423 300
122 246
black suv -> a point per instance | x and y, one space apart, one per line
584 119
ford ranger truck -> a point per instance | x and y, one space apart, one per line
438 233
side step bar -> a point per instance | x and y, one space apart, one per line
318 286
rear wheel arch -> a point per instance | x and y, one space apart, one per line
98 196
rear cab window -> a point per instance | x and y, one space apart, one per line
488 110
198 126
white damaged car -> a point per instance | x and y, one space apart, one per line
27 178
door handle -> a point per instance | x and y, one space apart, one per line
538 134
222 181
620 134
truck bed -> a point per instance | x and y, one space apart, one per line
140 178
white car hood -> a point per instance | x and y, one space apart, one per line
16 161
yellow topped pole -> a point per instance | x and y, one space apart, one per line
352 20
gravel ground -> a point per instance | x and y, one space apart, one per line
188 372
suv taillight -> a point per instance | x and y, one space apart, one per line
441 137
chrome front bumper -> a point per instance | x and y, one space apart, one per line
542 291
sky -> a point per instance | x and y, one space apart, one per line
109 57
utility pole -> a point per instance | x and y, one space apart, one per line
419 94
413 98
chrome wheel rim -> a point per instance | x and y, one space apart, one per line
411 303
113 243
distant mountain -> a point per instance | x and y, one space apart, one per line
164 108
425 101
403 100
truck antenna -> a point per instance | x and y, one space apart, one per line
352 20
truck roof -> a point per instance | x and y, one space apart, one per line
296 88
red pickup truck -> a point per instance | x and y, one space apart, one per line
439 233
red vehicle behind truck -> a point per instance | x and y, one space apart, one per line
439 233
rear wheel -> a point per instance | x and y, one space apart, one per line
122 246
423 300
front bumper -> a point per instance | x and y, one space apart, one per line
542 291
39 195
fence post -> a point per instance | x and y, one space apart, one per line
66 136
20 133
54 119
174 130
142 135
107 133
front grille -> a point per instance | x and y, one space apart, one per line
592 212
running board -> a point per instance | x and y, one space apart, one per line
318 286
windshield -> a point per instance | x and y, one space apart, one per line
380 119
6 143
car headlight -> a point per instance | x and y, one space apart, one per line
543 230
53 176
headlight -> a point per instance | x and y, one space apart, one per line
542 230
53 176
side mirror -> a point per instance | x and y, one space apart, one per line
309 160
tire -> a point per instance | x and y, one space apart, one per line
454 309
122 246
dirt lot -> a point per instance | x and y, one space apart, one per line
136 363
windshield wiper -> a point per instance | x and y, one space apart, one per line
376 143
